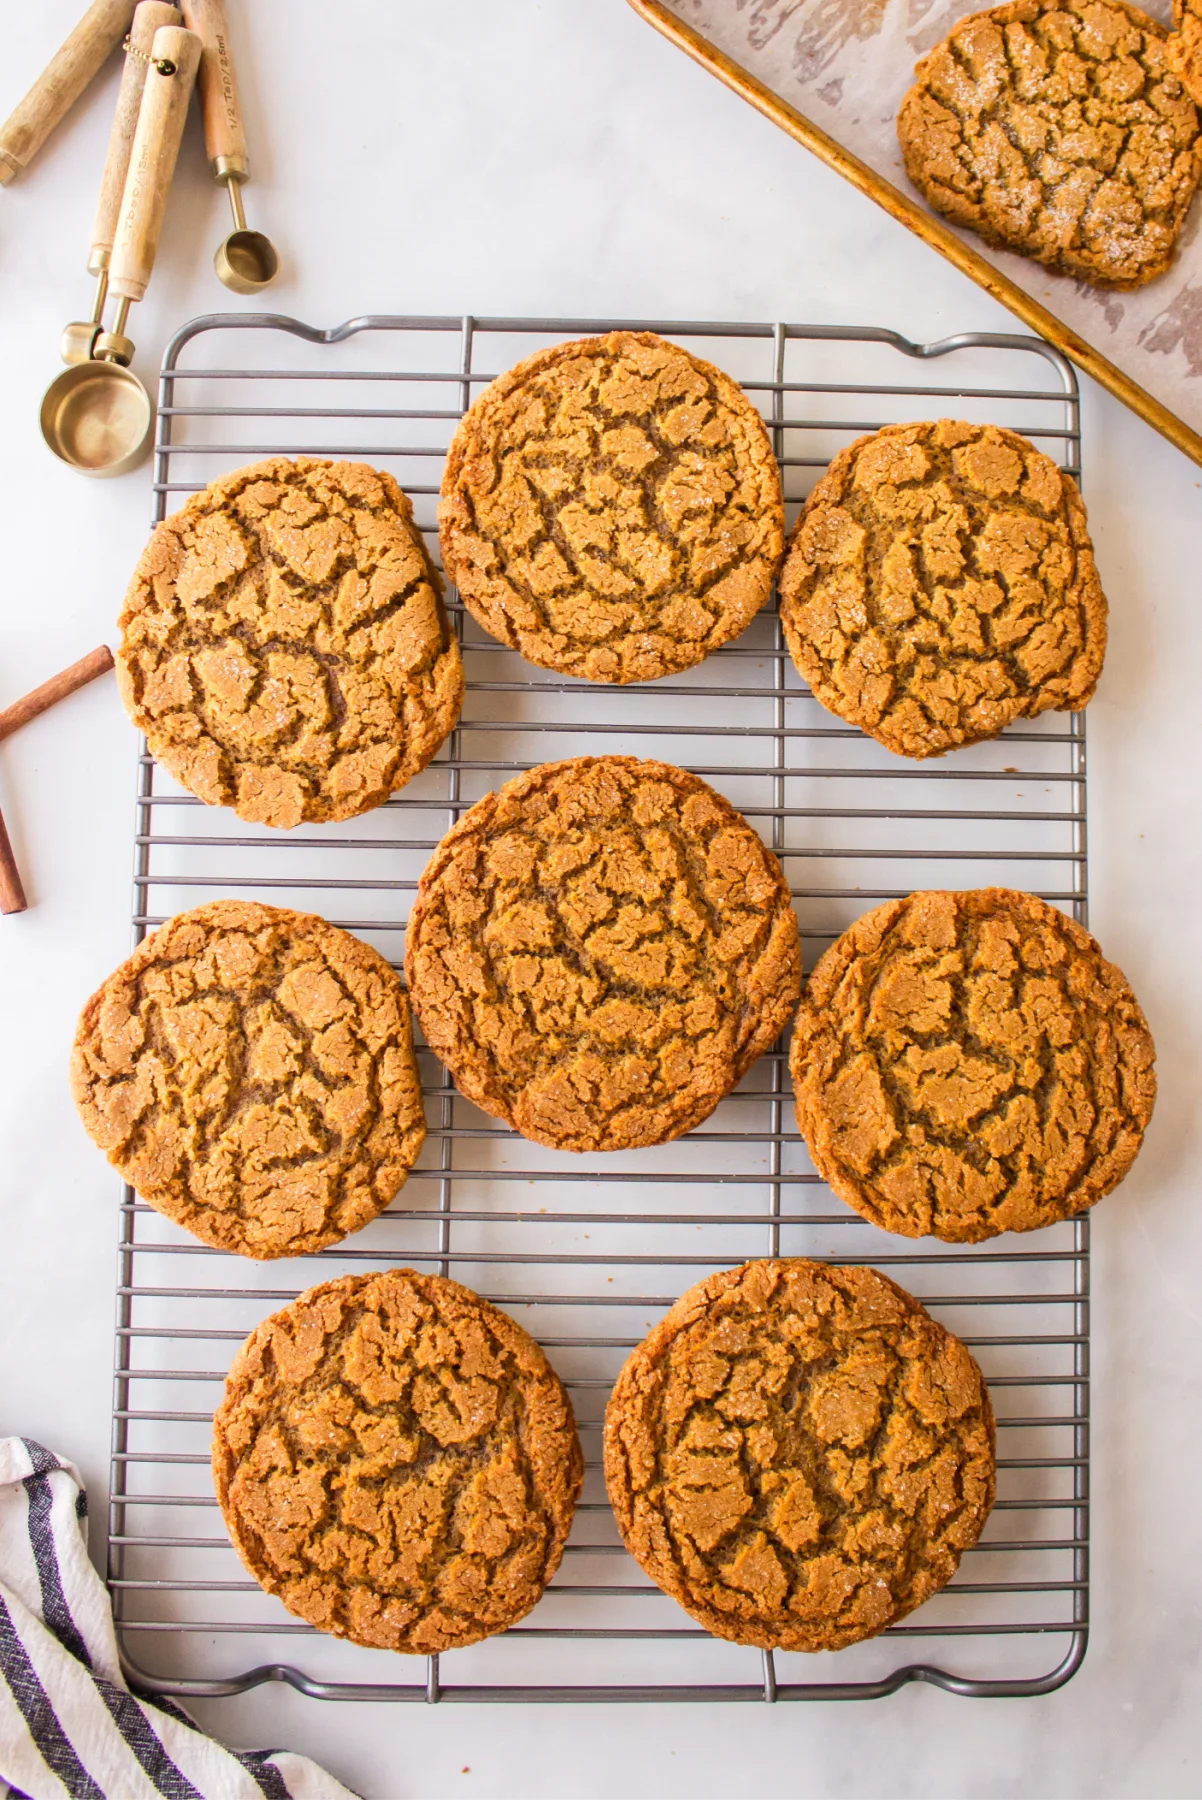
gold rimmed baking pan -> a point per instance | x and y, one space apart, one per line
932 230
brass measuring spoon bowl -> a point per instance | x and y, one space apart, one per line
246 260
96 417
78 343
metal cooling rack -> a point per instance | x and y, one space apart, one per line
588 1251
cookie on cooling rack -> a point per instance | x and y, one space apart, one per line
600 950
940 584
397 1460
969 1063
1058 128
285 646
250 1071
799 1454
612 508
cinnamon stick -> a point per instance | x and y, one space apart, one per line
12 894
96 662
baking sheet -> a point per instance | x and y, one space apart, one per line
846 65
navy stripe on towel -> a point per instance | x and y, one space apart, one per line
139 1734
55 1610
266 1774
53 1745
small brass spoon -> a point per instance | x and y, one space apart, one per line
246 260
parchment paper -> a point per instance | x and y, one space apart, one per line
846 64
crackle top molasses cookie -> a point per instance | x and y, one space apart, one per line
1057 128
969 1063
250 1071
940 584
600 950
799 1454
612 508
397 1460
285 647
1185 46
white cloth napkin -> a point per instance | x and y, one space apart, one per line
69 1724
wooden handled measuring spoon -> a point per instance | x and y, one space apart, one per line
246 260
79 338
96 416
72 67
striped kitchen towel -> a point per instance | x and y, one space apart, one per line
68 1721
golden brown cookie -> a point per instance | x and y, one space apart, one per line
1185 46
612 508
1057 128
600 950
251 1073
799 1454
940 584
397 1460
970 1063
285 647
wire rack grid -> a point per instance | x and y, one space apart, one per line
588 1251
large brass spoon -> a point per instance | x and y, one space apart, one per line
97 416
79 338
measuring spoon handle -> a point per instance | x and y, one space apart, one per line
152 160
62 81
225 134
148 18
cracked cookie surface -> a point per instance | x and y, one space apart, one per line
969 1063
600 950
397 1461
940 583
612 508
1058 129
250 1071
1185 46
285 646
799 1454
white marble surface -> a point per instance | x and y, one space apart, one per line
554 156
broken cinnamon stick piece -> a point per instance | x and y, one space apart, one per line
96 662
12 894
